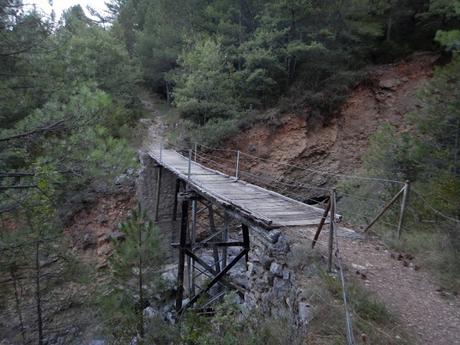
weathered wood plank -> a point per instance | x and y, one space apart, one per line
253 202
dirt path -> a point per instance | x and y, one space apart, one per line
154 123
408 292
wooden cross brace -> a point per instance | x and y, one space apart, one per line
186 249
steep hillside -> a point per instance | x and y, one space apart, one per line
408 288
386 95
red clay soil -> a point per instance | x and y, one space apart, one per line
91 228
386 96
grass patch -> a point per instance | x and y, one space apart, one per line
372 322
434 250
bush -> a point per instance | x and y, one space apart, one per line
232 326
215 131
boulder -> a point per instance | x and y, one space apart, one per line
88 241
281 287
266 261
150 312
390 84
117 235
304 312
281 247
241 280
276 269
286 274
170 279
103 219
274 235
121 179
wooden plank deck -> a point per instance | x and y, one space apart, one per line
261 206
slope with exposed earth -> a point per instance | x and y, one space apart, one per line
408 289
386 96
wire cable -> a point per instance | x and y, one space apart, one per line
345 294
315 171
433 209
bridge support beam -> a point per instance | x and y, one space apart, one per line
176 194
193 251
157 194
182 247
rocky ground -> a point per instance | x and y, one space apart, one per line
407 289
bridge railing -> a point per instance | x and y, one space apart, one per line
372 204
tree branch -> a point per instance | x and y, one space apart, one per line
35 131
27 186
15 174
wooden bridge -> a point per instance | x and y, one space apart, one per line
250 203
254 207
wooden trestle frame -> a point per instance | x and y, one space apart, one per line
219 193
188 246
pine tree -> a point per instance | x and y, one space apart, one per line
204 89
135 279
35 257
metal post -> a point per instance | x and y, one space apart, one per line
195 151
331 230
245 230
237 170
193 240
225 239
157 196
161 149
215 250
189 164
176 192
405 201
182 247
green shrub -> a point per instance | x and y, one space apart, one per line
215 131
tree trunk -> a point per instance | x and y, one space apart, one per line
37 294
18 304
389 25
140 325
240 32
456 149
168 97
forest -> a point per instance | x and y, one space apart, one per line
70 108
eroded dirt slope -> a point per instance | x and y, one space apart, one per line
92 228
388 93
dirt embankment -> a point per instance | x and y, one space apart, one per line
93 227
386 96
